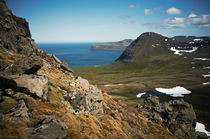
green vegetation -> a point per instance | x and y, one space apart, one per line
151 71
2 126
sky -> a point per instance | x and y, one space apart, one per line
56 21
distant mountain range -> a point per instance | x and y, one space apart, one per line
120 45
178 40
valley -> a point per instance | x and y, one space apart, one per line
153 69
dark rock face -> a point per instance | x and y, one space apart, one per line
177 115
27 65
201 135
15 34
49 129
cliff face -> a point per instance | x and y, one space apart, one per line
120 45
41 98
15 34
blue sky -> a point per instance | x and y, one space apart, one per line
111 20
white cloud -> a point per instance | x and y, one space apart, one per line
191 20
147 11
173 11
134 6
192 15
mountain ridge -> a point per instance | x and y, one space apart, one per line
119 45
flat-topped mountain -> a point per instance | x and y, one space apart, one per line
120 45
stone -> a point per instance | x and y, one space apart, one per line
201 135
34 85
49 129
27 65
20 110
177 115
89 101
153 101
66 68
56 59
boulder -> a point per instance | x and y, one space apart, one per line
177 115
89 101
20 110
48 129
201 135
34 85
27 65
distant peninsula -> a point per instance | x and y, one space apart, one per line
120 45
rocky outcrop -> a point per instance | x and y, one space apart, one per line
177 115
20 110
27 65
89 101
34 85
15 34
120 45
49 129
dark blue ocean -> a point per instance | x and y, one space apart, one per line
80 54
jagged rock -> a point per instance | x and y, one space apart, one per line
66 68
201 135
89 101
34 85
49 129
15 34
27 65
152 101
177 115
56 59
20 110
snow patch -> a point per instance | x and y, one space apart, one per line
198 40
140 94
206 83
177 91
180 52
113 84
204 59
166 40
206 75
201 128
153 46
206 68
191 42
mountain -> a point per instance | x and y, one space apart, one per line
40 97
155 61
188 39
150 44
120 45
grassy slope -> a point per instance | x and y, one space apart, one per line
158 70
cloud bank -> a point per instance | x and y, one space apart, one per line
191 20
172 11
148 11
134 6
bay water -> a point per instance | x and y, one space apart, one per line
80 54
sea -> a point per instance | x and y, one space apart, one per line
80 54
